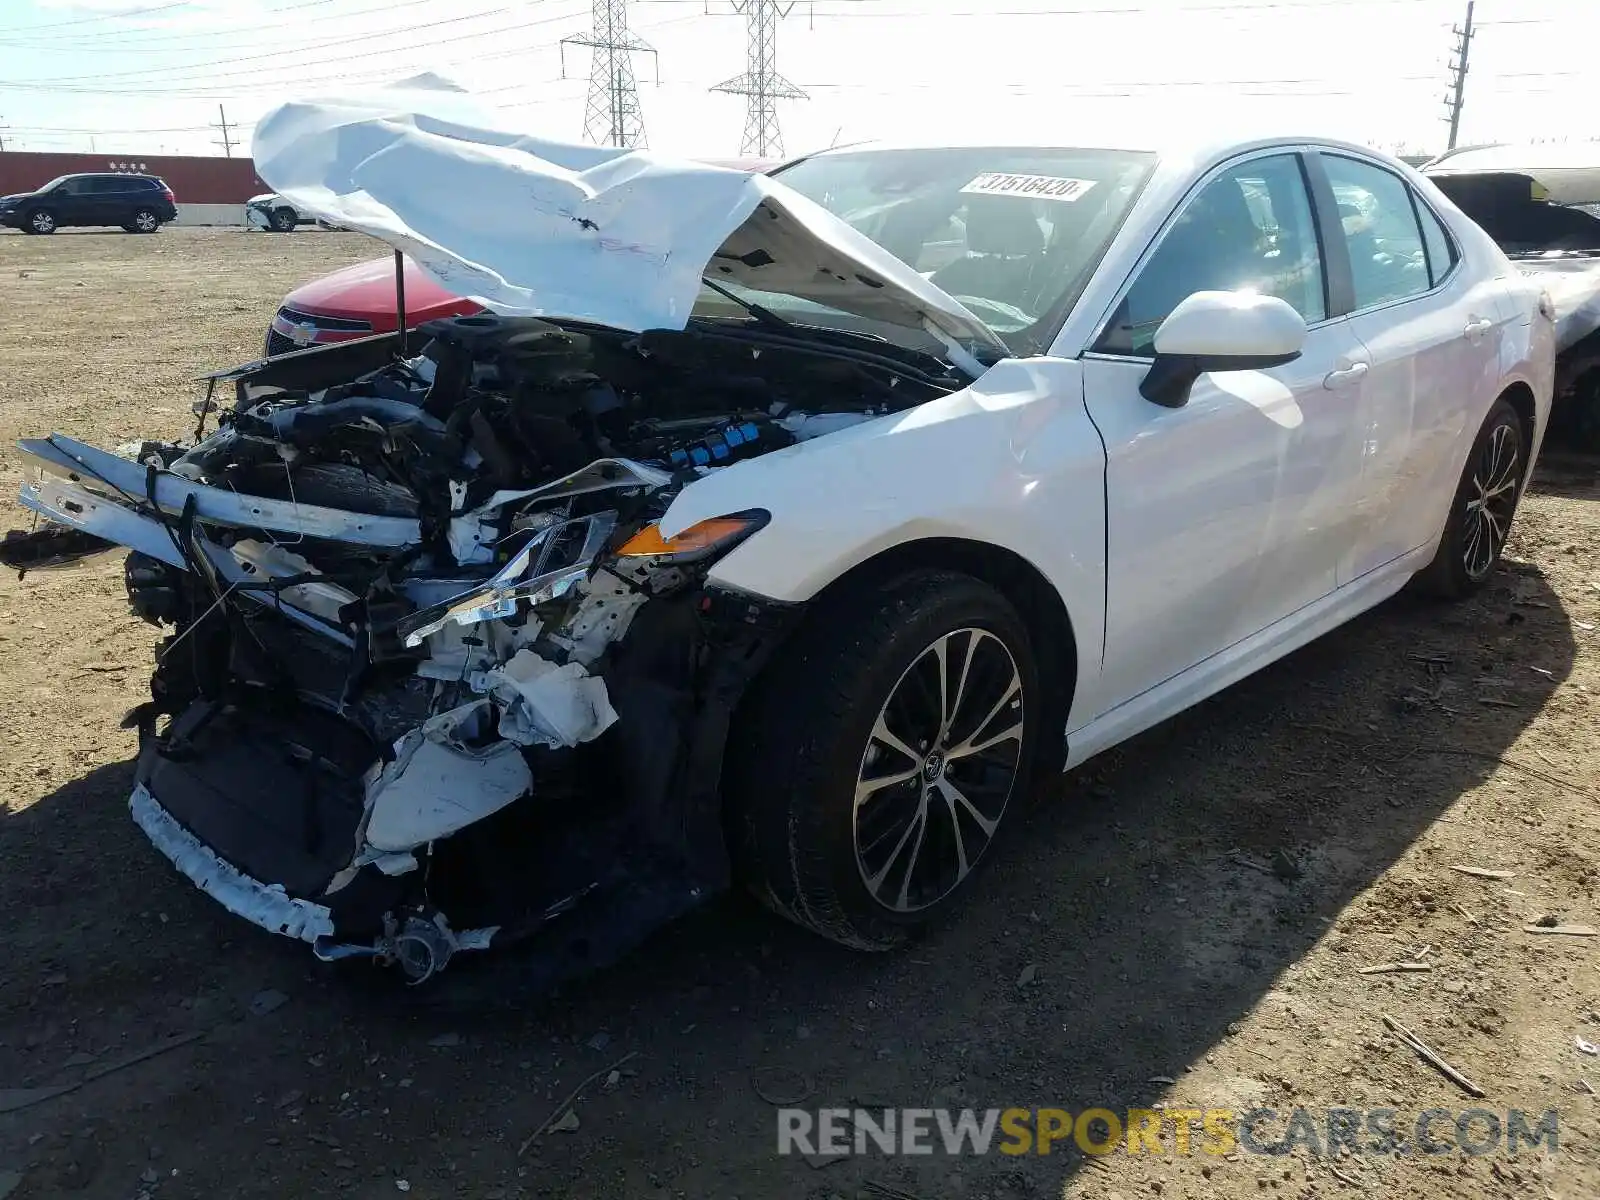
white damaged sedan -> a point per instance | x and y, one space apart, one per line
776 529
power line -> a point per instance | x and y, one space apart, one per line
129 37
111 16
612 116
278 83
166 72
761 85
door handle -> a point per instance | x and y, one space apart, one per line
1351 374
1477 327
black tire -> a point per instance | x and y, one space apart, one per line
1482 509
282 220
805 736
144 220
40 217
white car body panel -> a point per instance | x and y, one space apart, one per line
1226 546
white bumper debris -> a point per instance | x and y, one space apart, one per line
441 781
261 904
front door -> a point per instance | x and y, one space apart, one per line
1231 512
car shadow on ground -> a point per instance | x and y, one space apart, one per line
1127 921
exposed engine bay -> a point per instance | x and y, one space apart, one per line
432 679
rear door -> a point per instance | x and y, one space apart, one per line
1431 333
109 200
1230 513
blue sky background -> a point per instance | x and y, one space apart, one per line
142 76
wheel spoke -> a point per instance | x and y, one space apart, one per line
867 787
954 796
882 733
1501 478
962 865
966 746
954 706
915 826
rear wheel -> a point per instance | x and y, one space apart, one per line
1484 505
282 220
871 769
145 221
41 220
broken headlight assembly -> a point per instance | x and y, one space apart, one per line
701 543
545 568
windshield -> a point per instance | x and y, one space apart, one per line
1013 234
47 186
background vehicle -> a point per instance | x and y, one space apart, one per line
360 300
1541 205
356 302
274 213
136 203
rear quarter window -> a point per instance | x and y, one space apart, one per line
1436 239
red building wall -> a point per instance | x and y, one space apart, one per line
193 180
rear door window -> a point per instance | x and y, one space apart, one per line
1388 260
1437 241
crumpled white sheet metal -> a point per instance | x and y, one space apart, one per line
438 784
1574 288
549 705
524 224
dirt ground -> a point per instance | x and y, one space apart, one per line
1184 926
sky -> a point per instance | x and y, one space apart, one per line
143 76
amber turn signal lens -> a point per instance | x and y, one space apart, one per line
694 540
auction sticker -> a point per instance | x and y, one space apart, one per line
1042 187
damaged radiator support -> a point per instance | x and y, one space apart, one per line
434 681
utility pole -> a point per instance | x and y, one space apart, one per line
1458 72
761 84
227 138
612 116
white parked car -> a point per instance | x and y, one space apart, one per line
746 545
273 213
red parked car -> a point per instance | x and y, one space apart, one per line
358 301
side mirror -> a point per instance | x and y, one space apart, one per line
1220 331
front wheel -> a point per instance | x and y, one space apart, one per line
282 220
1484 505
41 220
874 761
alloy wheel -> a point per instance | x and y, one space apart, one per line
43 222
938 770
1491 503
144 221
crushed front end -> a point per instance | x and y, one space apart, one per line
432 678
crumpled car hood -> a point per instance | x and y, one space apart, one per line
525 225
1560 174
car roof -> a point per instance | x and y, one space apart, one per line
1168 148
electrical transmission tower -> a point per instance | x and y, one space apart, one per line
761 84
1458 72
612 116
